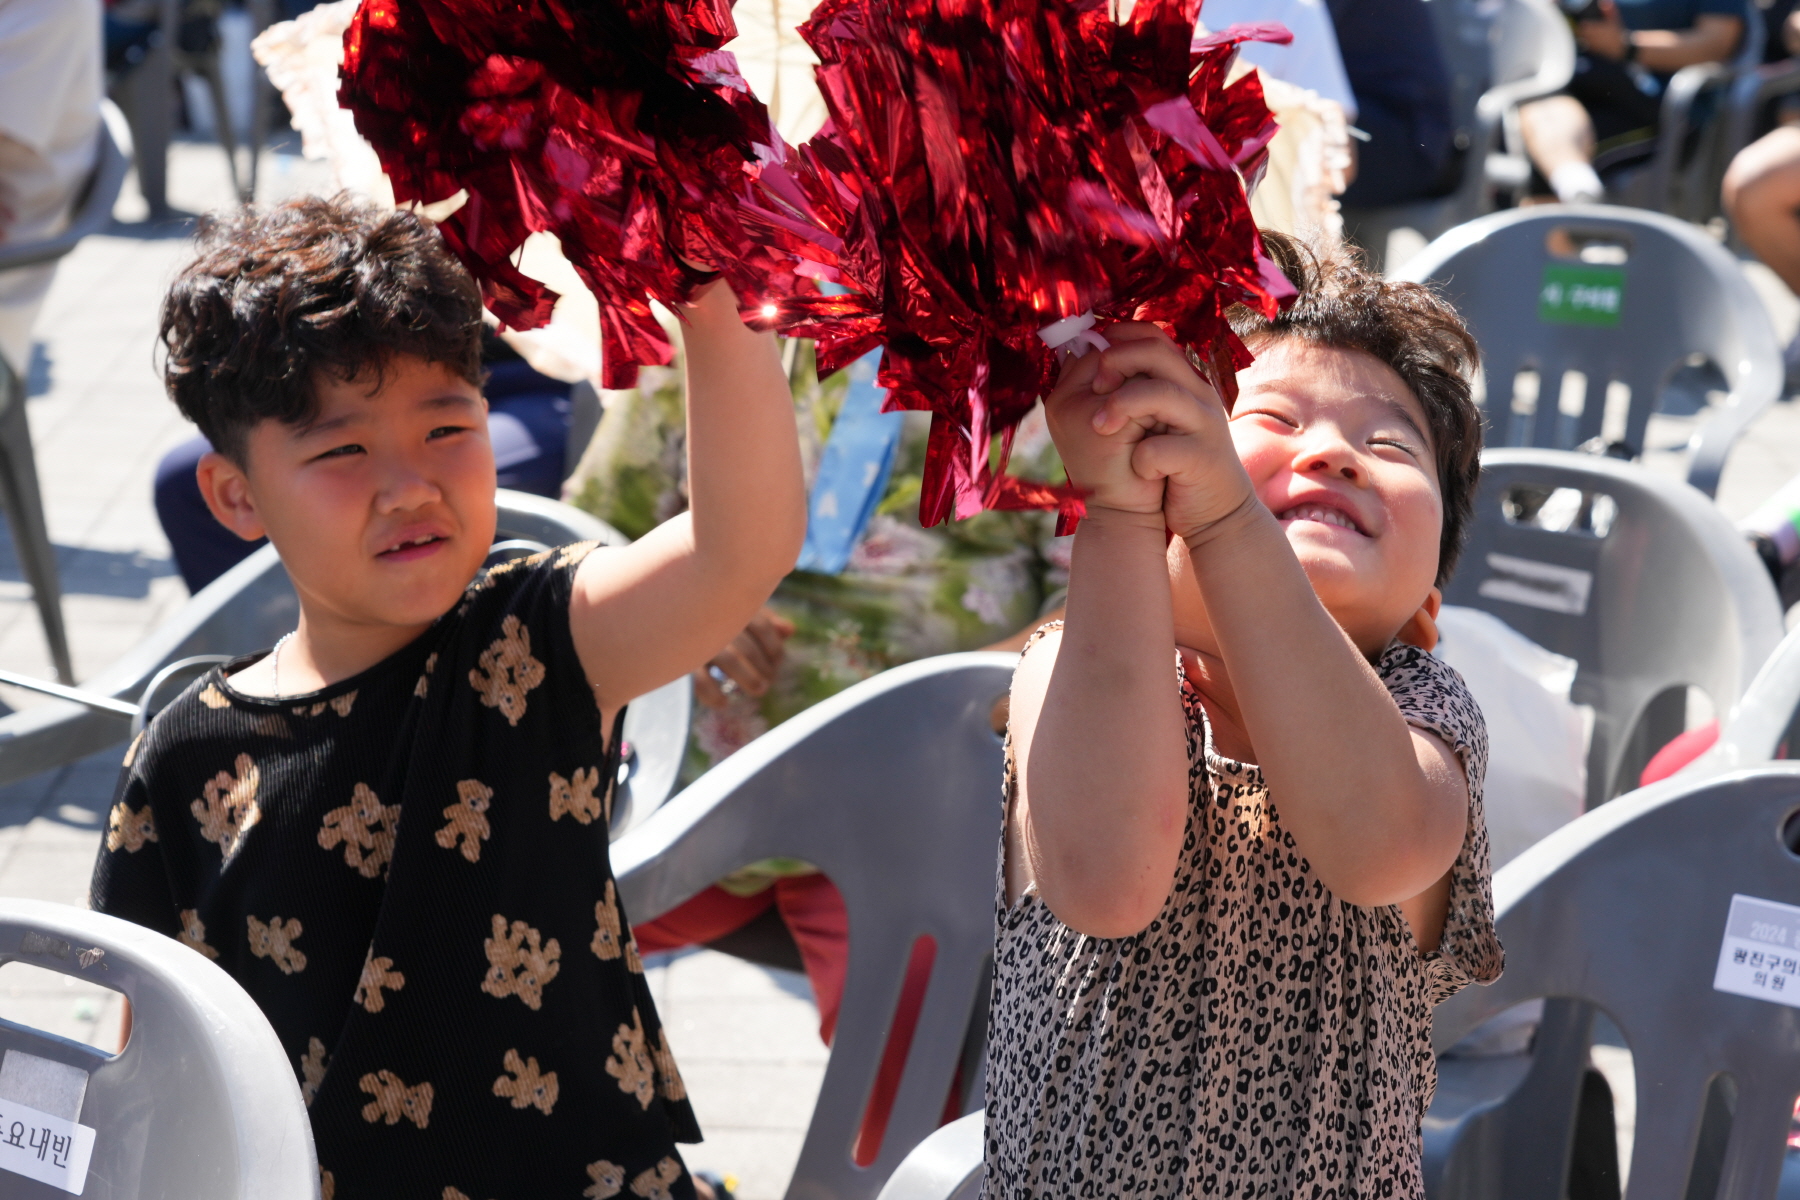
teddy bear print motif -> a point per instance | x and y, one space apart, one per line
312 1070
193 933
506 671
129 827
327 1185
341 705
518 965
572 554
576 796
609 1180
468 819
276 941
668 1076
631 1063
394 1100
656 1183
366 828
611 938
377 973
212 697
423 688
527 1087
227 808
131 751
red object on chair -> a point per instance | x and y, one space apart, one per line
1681 751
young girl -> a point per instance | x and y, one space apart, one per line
1235 888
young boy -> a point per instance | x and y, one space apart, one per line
1232 893
391 828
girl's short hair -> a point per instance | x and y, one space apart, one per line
278 295
1409 327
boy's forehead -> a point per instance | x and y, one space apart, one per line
404 386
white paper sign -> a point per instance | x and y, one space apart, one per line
46 1148
1760 955
1548 586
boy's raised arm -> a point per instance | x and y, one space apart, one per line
657 609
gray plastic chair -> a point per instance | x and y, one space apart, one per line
201 1103
1500 55
19 493
1679 297
1626 909
146 94
892 788
1669 596
945 1166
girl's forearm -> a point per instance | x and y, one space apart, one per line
745 490
1339 758
1104 777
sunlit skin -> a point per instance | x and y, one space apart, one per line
382 505
1278 609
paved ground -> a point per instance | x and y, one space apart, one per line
746 1037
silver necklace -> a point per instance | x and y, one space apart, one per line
275 661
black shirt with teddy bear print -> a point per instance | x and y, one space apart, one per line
408 871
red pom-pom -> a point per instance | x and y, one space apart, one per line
620 126
995 167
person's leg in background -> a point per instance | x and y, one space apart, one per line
1761 195
1559 138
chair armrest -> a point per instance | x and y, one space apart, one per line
945 1166
93 206
1712 442
1753 89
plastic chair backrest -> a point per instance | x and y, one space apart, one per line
1627 908
1668 595
201 1103
1618 295
892 789
245 609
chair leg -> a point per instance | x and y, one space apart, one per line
24 506
222 117
146 95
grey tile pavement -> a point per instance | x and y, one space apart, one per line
746 1037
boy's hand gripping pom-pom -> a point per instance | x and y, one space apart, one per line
998 177
619 126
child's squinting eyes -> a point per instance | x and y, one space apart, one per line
1402 444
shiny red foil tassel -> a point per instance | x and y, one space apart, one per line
993 167
620 126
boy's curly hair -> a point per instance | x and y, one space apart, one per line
277 296
1409 327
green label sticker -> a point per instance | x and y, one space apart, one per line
1575 295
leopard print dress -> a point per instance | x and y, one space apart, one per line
1260 1037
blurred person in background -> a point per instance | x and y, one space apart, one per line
49 125
1607 116
1761 191
1400 88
